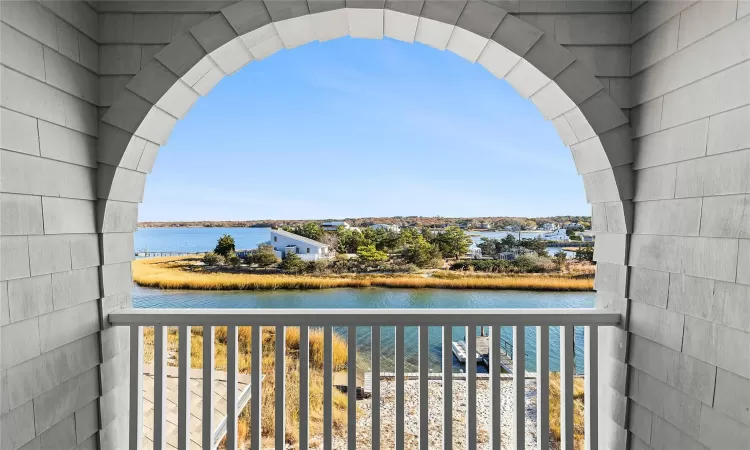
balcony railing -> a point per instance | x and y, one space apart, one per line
542 319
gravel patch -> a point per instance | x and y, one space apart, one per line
411 434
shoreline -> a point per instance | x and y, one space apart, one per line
177 273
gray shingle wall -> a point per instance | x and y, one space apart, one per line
691 91
51 350
677 69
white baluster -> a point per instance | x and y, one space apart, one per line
160 388
495 371
136 387
304 386
255 383
567 334
351 388
280 390
399 359
208 386
183 388
447 387
232 441
471 387
591 369
424 388
376 387
542 387
327 388
519 387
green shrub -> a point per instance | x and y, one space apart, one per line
263 256
233 260
212 259
292 263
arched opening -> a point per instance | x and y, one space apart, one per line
564 90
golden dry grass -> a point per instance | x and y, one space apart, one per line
578 409
268 388
182 273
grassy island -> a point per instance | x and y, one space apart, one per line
188 272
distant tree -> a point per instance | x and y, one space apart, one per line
310 230
384 240
212 259
263 256
453 242
561 259
570 231
225 245
508 243
350 240
585 253
421 253
489 246
575 238
536 245
292 263
369 253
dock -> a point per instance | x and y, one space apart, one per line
506 353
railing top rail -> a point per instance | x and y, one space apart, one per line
364 317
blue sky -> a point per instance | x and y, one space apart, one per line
357 128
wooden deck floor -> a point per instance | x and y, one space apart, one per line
196 404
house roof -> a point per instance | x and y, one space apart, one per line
297 237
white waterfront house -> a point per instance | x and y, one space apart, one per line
386 227
550 226
334 225
284 242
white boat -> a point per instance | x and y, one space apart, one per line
459 349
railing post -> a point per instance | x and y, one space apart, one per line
232 388
183 389
136 387
591 398
160 388
447 387
208 387
471 387
567 335
542 387
519 387
280 394
304 386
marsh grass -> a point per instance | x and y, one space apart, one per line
268 387
578 409
184 273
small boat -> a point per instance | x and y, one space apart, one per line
459 349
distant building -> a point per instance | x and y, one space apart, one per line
334 225
560 235
386 227
513 228
550 226
586 236
284 242
484 225
574 226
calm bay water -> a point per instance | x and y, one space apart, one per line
388 298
